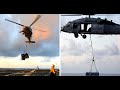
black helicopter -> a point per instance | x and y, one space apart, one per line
90 25
27 30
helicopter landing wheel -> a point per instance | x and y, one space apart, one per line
84 36
76 35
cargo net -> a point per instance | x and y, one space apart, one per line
93 60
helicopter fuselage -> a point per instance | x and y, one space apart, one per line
27 31
91 26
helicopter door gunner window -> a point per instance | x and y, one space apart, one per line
75 25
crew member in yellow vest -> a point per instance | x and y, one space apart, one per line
52 70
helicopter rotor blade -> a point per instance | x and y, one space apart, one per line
35 20
39 30
85 14
71 14
15 22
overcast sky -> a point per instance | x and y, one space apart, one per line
43 53
76 53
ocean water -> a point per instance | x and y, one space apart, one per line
84 74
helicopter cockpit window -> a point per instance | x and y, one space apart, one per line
68 24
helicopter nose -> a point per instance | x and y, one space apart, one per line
62 28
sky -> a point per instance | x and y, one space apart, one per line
76 53
43 53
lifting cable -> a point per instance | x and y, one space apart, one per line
25 51
93 60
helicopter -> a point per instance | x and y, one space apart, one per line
90 25
27 30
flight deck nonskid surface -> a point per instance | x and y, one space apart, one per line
26 72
